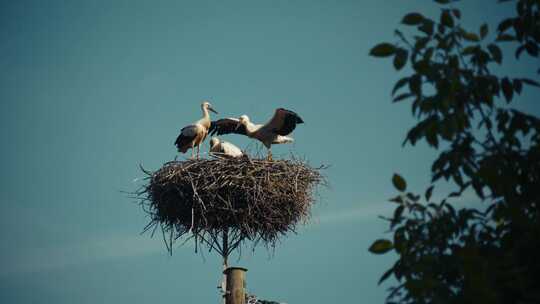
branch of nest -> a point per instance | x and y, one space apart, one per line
251 199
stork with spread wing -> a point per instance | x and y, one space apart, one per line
274 131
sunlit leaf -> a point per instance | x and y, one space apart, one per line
470 36
399 182
381 246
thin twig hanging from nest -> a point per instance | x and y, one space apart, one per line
223 202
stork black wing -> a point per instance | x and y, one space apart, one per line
226 126
285 121
184 139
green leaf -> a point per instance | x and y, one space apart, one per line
432 138
519 50
483 30
505 37
398 212
454 194
427 27
532 48
446 19
383 50
381 246
403 96
398 199
518 85
507 89
421 43
471 49
415 84
399 84
495 52
505 24
422 67
399 182
386 275
412 19
400 59
429 192
530 82
470 36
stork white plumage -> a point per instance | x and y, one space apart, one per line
273 132
223 148
193 135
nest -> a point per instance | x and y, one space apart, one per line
223 202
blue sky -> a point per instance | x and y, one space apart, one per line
91 89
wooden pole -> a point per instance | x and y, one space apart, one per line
225 248
235 293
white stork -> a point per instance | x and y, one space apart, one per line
273 132
193 135
223 148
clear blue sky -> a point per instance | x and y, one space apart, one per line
90 89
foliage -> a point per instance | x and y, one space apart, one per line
465 110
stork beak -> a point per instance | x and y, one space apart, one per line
211 109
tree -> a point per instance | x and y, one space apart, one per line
488 255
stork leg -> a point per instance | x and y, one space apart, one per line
198 151
192 151
269 155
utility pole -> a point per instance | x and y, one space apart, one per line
235 285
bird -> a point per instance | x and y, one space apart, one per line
223 148
193 135
275 131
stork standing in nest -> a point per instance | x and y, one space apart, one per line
274 131
193 135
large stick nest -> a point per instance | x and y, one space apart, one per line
222 202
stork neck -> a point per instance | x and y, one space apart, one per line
250 127
206 115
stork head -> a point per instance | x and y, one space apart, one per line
242 120
207 106
214 141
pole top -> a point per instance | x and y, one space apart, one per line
226 271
